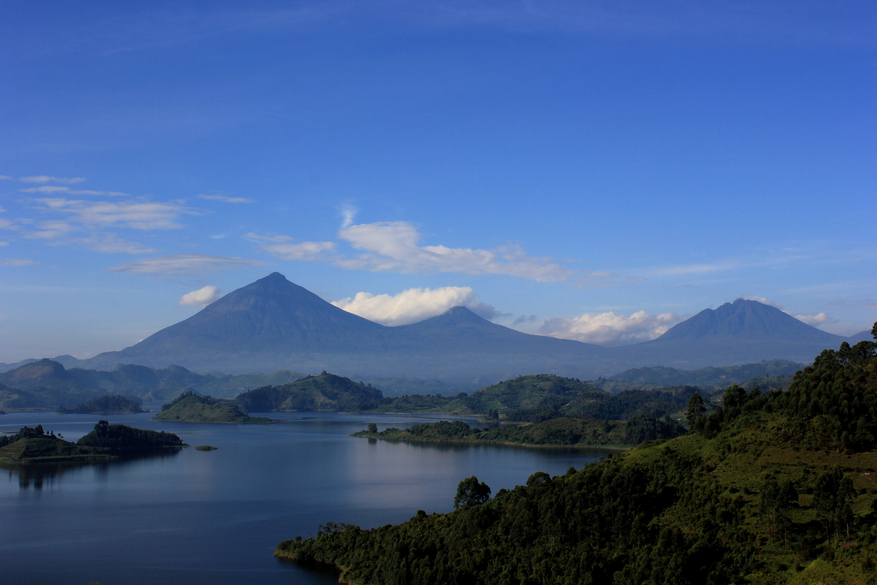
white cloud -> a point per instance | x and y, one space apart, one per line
305 251
226 199
763 301
348 212
184 265
16 262
813 319
46 189
283 248
201 297
111 244
127 214
6 178
50 230
47 179
414 304
3 244
49 189
394 247
271 238
609 328
5 223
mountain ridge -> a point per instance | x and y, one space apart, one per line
273 324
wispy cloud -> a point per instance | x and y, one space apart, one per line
184 265
226 199
396 247
6 178
303 251
50 189
414 304
348 214
15 262
145 215
48 179
201 297
609 328
112 244
268 238
814 319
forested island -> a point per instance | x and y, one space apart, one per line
189 407
109 404
104 443
771 487
558 432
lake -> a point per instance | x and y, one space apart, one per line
214 517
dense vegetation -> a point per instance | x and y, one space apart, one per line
189 407
599 404
773 487
35 444
766 374
325 392
558 432
109 404
122 437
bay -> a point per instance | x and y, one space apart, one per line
214 517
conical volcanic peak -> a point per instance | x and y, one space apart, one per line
271 316
750 321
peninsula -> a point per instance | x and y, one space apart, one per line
557 432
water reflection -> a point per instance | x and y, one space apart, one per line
48 474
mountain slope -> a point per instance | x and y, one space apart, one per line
735 333
273 324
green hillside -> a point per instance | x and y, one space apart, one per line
31 445
116 438
769 488
558 432
190 407
109 404
767 374
326 392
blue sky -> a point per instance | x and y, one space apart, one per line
590 170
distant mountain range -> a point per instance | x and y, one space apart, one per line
273 324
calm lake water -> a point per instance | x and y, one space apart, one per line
214 517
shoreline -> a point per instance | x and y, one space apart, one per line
578 447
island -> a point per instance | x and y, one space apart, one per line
189 407
559 432
771 487
109 404
106 442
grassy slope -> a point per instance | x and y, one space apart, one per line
48 448
199 409
695 509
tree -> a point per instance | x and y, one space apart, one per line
470 492
372 428
874 330
695 410
832 498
